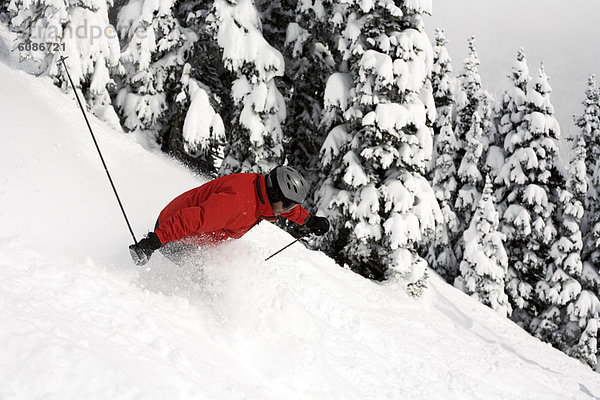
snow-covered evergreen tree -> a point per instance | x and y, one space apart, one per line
589 131
255 140
469 172
210 73
585 318
336 101
509 113
560 286
584 182
81 29
484 264
473 116
309 63
382 152
38 22
276 17
442 85
495 155
154 47
203 132
441 255
530 179
511 116
468 95
578 180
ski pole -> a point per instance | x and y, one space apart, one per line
282 249
63 58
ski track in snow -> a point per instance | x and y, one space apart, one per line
79 320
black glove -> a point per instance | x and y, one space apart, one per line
142 251
317 225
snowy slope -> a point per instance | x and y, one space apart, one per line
79 320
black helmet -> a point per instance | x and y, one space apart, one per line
286 184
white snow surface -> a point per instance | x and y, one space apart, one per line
79 320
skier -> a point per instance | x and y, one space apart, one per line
228 207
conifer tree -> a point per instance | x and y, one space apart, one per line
511 106
276 17
203 132
584 313
309 63
255 141
578 179
441 255
560 286
38 22
469 172
589 131
510 119
508 116
530 178
563 228
153 53
571 314
330 196
585 322
80 29
495 138
468 95
378 190
209 72
473 116
485 262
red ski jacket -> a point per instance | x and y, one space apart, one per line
223 208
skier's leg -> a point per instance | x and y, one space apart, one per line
179 253
186 254
188 257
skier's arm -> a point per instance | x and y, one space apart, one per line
317 225
297 214
210 216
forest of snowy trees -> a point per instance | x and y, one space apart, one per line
413 163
